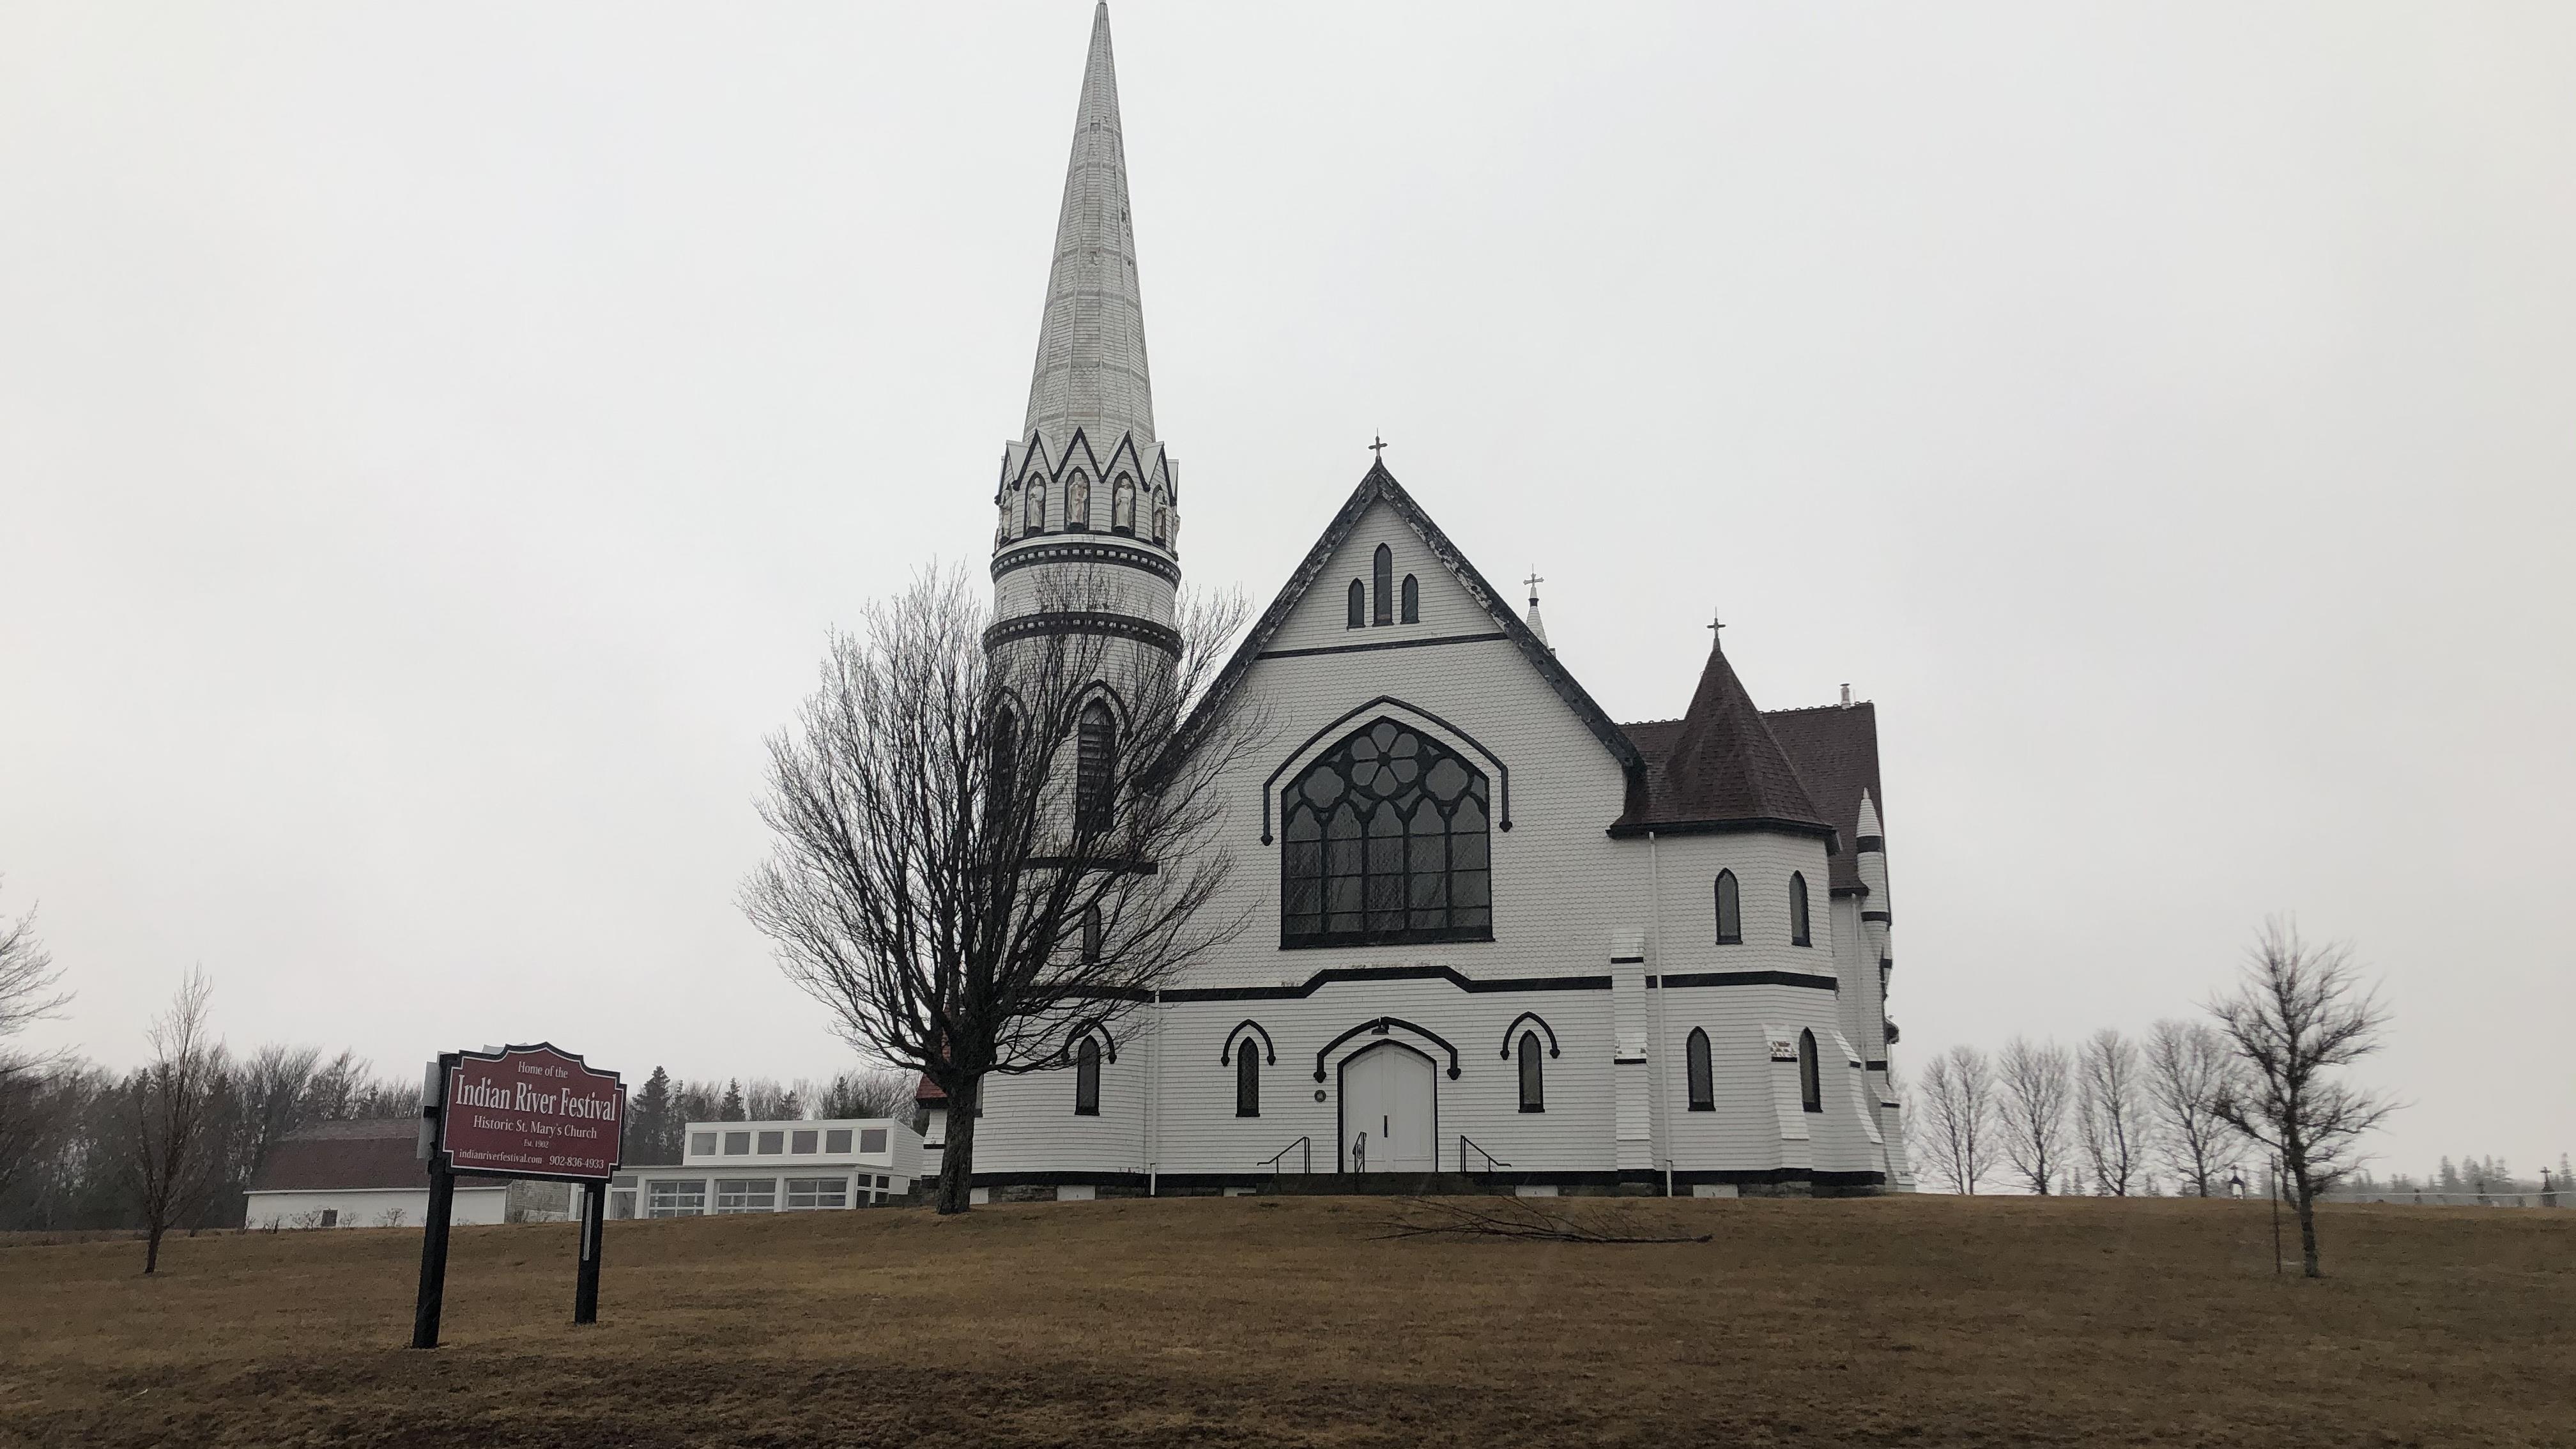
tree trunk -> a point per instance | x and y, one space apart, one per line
152 1247
957 1159
2308 1230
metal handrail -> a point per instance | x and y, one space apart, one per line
1272 1161
1491 1161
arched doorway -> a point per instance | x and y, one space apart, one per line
1390 1112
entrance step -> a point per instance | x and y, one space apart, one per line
1382 1184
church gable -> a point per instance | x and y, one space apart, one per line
1311 615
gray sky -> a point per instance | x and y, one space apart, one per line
435 440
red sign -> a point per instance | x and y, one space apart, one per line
531 1111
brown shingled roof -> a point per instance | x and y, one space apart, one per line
1718 767
339 1156
1835 749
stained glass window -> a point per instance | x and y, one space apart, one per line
1385 839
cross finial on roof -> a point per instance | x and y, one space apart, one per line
1715 624
1533 581
1377 445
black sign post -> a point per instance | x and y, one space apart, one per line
524 1112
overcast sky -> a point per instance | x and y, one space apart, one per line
435 440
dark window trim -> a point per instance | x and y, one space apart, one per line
1409 936
1718 895
1247 1085
1086 1078
1502 772
1333 975
1412 596
1802 925
1380 644
1381 1026
1700 1071
1532 1074
1382 585
1225 1054
1506 1052
1816 980
1356 617
1811 1077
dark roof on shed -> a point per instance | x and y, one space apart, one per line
338 1156
1718 767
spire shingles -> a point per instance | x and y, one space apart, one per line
1091 343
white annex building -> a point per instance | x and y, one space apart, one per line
1495 931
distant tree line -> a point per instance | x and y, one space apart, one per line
2260 1080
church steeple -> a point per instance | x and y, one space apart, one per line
1088 502
1091 344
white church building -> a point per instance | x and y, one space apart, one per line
1494 931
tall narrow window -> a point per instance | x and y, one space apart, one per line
1703 1090
1086 1078
1412 599
1798 935
1730 911
1122 505
1037 506
1384 840
1006 762
1095 768
1811 1090
1533 1079
1090 933
1359 605
1382 579
1247 1082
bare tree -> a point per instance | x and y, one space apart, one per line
2112 1113
1955 1125
170 1101
983 854
2038 1088
2300 1013
864 1092
2189 1067
28 994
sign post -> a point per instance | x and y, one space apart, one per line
523 1111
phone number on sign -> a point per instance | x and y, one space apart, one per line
562 1161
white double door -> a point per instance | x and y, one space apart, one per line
1387 1112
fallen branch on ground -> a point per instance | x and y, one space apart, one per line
1531 1219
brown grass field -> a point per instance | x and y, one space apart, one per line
1922 1320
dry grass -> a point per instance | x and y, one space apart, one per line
1898 1320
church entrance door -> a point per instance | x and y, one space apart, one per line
1388 1112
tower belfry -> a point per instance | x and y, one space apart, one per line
1088 502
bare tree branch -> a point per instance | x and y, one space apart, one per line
957 875
2111 1110
170 1100
2038 1088
1956 1124
2299 1013
2189 1068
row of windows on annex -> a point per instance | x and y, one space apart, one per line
1703 1083
688 1197
1525 1053
1025 514
1382 578
1730 910
795 1142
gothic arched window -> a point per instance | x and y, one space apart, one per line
1037 507
1385 839
1359 605
1798 933
1077 503
1533 1080
1086 1077
1090 933
1412 599
1730 911
1095 768
1247 1082
1703 1090
1122 505
1382 577
1811 1089
1005 781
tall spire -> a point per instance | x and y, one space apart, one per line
1091 344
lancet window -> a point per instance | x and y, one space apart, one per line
1086 1077
1412 599
1703 1087
1382 579
1533 1075
1799 935
1359 605
1811 1087
1730 911
1095 768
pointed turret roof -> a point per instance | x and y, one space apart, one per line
1721 768
1091 344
